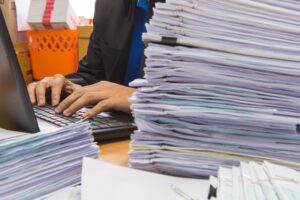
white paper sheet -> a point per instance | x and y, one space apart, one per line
105 181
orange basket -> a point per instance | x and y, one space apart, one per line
53 52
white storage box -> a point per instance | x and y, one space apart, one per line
52 14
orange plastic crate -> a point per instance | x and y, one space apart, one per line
53 52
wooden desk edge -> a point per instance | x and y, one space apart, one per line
115 152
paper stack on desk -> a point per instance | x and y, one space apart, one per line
256 181
33 165
233 95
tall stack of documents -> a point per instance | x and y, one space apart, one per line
222 85
257 181
33 165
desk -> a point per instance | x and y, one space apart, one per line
115 152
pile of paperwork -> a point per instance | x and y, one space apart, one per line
222 85
33 165
256 181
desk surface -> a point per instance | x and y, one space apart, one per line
115 152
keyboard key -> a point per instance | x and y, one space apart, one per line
60 124
94 123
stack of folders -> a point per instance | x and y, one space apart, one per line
223 86
33 165
256 181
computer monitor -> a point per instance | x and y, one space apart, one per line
16 111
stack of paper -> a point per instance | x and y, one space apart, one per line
233 95
33 165
50 14
257 181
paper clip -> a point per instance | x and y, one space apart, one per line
184 195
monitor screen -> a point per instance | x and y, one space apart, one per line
16 112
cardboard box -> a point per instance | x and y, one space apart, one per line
50 14
84 33
23 56
9 11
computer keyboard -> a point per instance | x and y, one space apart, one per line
48 114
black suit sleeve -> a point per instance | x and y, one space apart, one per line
90 69
109 45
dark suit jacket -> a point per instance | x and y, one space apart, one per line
109 46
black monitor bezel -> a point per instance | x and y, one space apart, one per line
30 123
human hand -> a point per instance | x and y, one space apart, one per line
57 83
104 95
